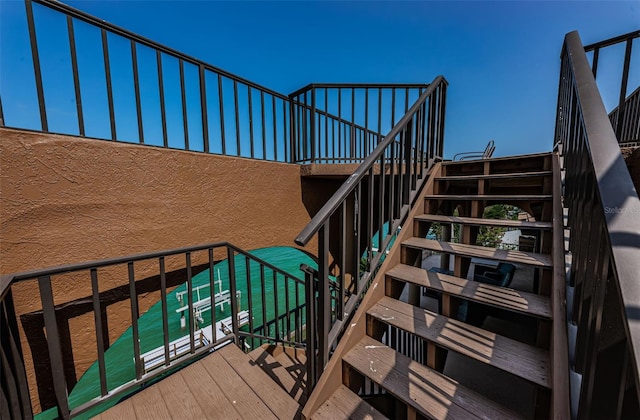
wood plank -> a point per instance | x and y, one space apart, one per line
178 397
474 221
494 176
475 251
283 369
208 394
496 296
528 362
122 411
150 405
278 401
492 197
240 395
431 393
345 404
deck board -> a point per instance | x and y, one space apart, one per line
431 393
474 251
496 296
286 370
474 221
225 384
528 362
346 405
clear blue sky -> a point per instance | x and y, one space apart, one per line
500 58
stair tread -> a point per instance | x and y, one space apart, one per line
346 404
431 393
501 297
523 360
475 251
484 222
490 197
495 176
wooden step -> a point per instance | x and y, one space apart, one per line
430 393
519 224
475 251
496 296
522 360
494 176
344 404
493 197
286 367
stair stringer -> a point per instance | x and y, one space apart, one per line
331 378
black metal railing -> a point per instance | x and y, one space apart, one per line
604 221
267 305
343 123
128 88
630 120
625 122
369 207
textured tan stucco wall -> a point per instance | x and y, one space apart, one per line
65 200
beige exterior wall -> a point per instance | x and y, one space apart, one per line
65 200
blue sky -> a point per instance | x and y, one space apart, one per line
500 58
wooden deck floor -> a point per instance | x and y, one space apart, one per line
224 385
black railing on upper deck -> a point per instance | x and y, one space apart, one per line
343 123
125 87
372 203
626 116
274 302
604 221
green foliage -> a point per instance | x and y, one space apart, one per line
492 236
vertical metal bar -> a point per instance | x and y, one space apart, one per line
264 298
392 180
312 125
107 73
251 147
324 299
97 317
212 284
136 86
406 100
623 89
594 66
339 122
275 303
76 77
165 316
275 131
53 345
264 139
366 122
133 296
393 107
304 127
311 330
293 131
2 123
379 114
163 114
203 110
235 103
288 308
381 200
221 102
190 311
326 123
234 292
36 65
370 193
357 231
343 260
284 132
353 123
183 98
249 295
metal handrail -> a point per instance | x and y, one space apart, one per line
485 154
603 209
288 322
349 185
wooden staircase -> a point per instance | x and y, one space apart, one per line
395 359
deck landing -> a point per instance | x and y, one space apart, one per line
226 384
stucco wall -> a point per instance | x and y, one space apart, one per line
65 200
